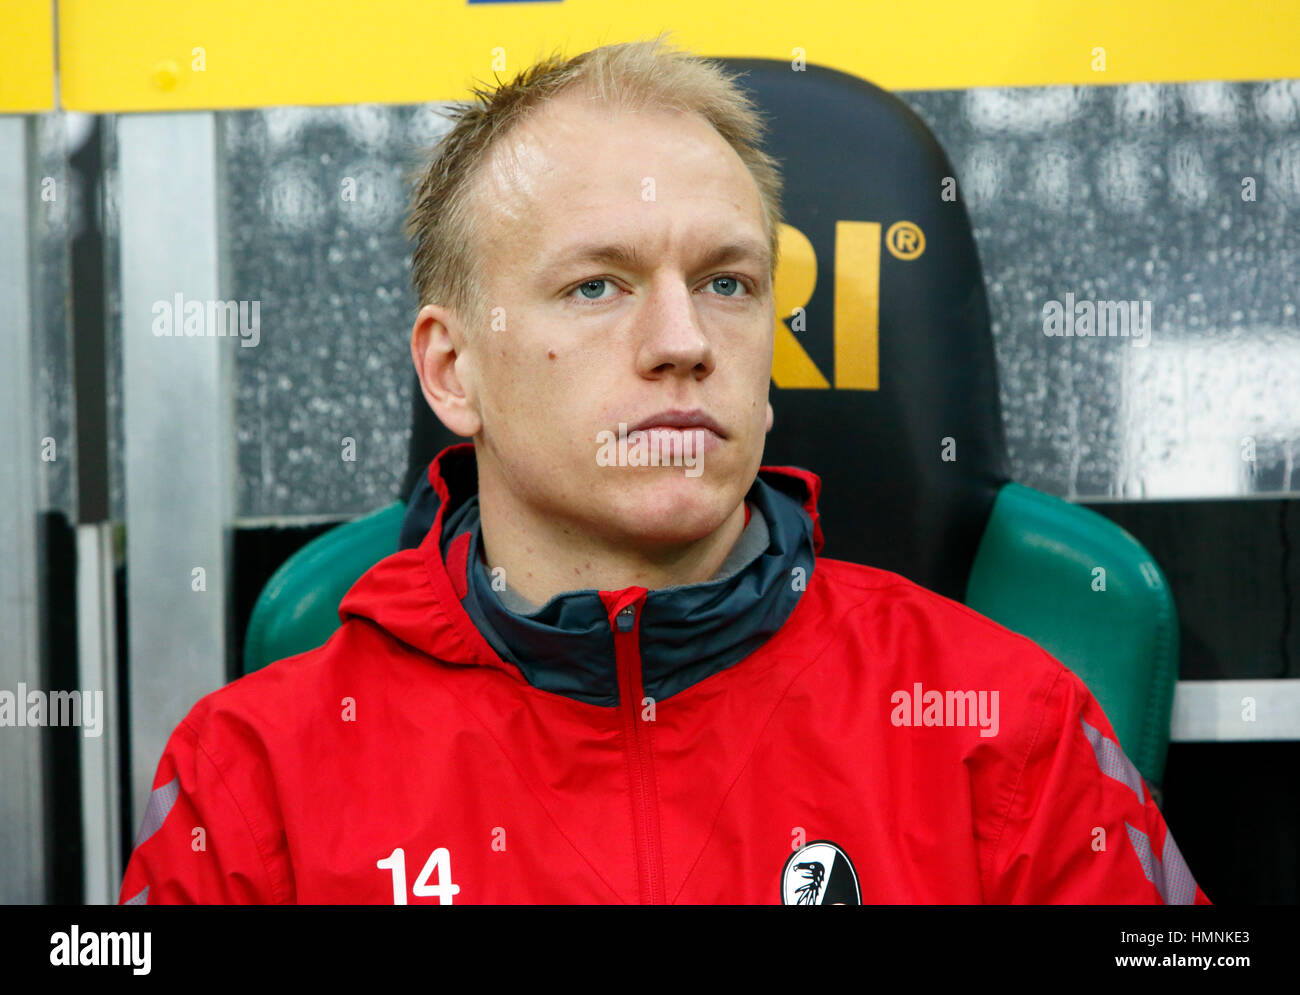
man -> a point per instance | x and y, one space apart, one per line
613 669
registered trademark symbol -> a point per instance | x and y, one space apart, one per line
905 240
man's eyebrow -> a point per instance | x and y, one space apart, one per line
739 250
624 254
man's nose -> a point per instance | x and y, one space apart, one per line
671 337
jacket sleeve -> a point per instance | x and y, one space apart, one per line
198 843
1081 827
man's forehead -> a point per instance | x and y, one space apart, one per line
561 182
513 175
520 161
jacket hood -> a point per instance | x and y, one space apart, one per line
435 595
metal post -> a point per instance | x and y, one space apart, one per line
177 426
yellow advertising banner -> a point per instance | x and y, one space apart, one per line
138 55
26 56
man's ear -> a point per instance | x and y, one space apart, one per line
770 417
433 350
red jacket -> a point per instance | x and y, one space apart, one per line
801 731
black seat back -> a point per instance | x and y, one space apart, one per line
911 462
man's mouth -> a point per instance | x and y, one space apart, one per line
680 422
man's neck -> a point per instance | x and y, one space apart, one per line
542 557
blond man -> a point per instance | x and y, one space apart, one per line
614 668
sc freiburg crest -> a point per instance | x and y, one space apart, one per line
819 873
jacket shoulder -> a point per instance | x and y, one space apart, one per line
883 602
269 699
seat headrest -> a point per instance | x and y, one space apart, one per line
887 385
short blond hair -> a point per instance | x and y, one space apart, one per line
442 224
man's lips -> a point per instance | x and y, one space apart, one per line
680 420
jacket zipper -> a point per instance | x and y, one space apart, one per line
641 773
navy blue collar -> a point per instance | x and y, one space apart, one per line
687 633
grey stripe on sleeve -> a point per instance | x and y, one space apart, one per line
1171 877
161 801
1113 761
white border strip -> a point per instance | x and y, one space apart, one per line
1236 711
97 669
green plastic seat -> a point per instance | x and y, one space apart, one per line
1091 595
298 609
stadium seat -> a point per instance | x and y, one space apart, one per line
887 388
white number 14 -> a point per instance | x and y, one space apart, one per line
439 861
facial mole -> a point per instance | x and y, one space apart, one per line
550 353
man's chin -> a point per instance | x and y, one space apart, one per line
670 508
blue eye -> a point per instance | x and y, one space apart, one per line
735 285
589 284
723 286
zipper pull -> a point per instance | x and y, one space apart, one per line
626 618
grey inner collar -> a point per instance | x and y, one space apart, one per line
751 544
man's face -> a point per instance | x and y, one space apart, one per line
589 343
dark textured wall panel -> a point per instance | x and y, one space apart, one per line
1126 193
1135 193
